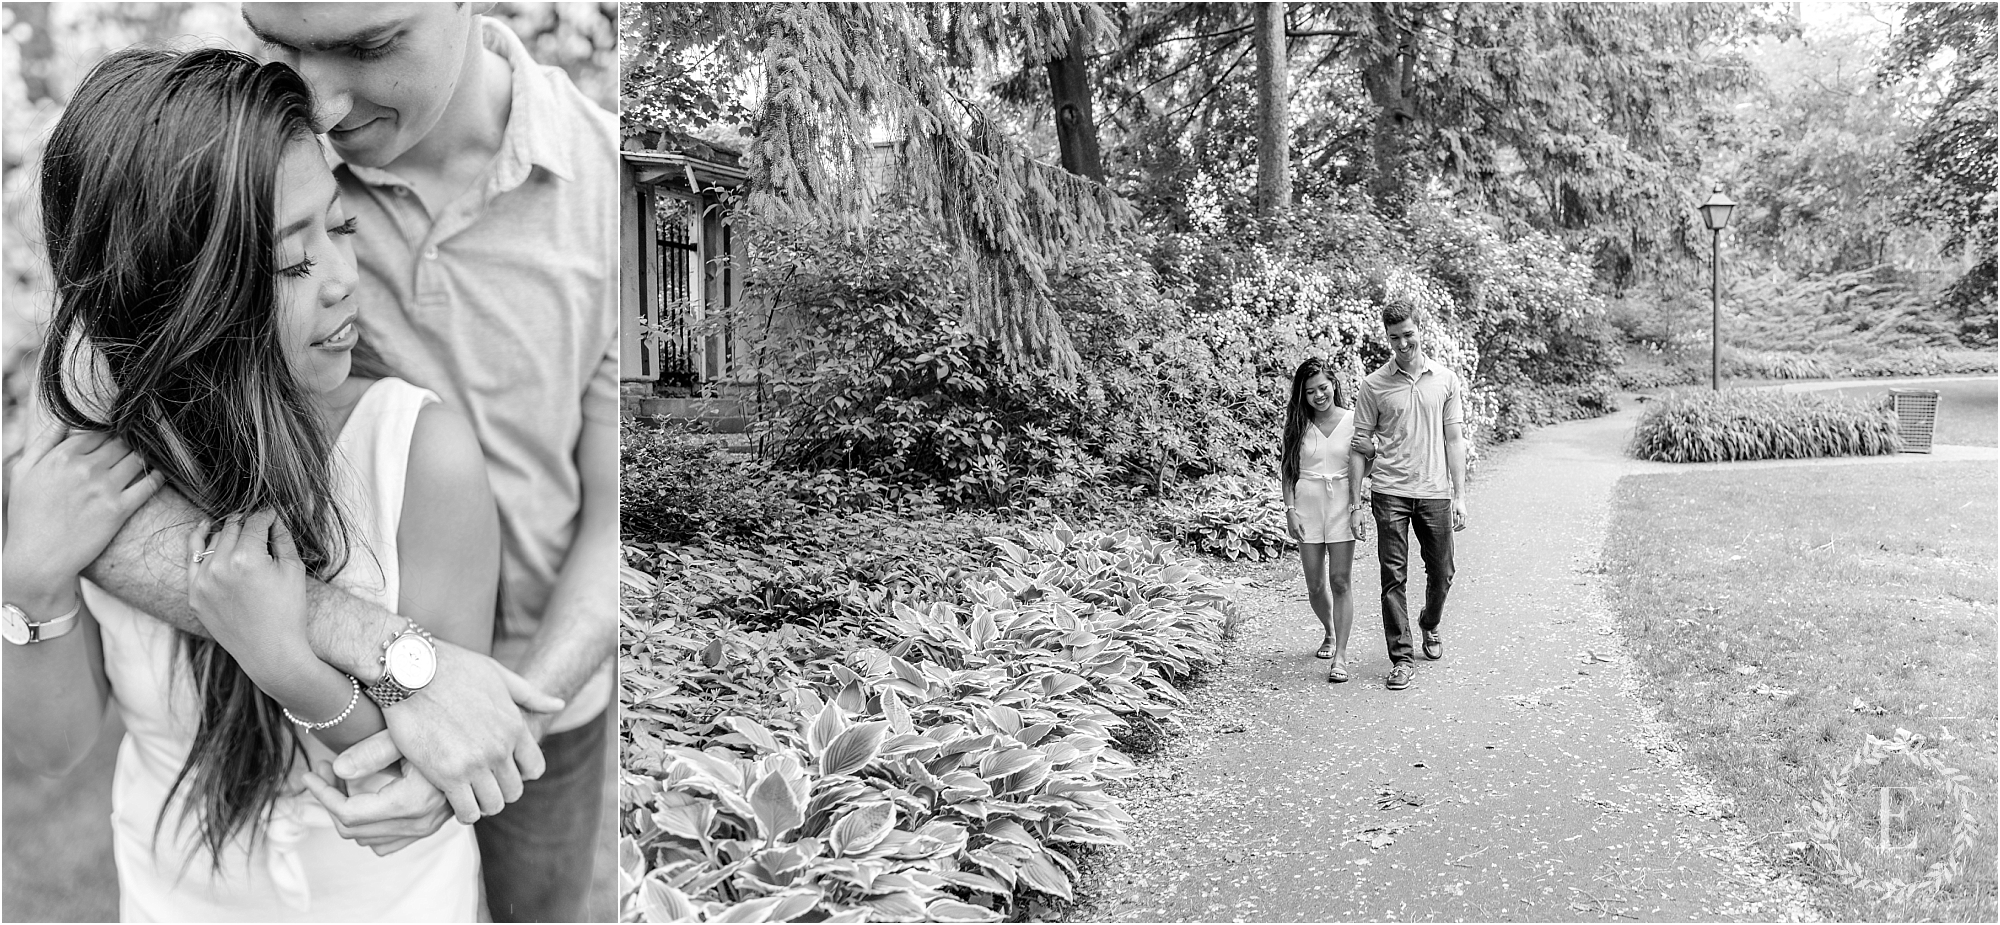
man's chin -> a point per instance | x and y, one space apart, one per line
363 151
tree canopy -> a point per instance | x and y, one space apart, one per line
1948 51
832 87
1602 125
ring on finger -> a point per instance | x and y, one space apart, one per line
203 555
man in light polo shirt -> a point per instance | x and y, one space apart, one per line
485 191
484 188
1409 423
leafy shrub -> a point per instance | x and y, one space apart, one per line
879 375
676 484
1186 342
1522 407
1527 304
853 490
1230 519
1761 364
1692 369
782 774
1925 363
1698 425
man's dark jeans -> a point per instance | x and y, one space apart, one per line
1430 519
535 856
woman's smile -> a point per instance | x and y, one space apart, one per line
341 338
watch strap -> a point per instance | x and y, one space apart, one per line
49 629
388 693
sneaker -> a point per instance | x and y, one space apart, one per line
1400 675
1433 646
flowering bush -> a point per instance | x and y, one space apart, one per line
1187 342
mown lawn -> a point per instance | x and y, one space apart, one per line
1968 409
1784 614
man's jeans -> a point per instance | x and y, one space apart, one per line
1430 519
535 856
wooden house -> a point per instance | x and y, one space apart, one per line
680 266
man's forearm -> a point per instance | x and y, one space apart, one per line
146 566
348 632
579 630
1454 461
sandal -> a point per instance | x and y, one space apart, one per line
1325 650
1338 672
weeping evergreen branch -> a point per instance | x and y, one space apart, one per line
838 77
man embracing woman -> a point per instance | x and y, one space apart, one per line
1403 434
324 420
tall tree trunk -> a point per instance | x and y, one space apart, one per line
1076 129
1389 75
1274 136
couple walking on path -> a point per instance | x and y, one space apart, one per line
1404 430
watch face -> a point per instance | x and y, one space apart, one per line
13 625
411 661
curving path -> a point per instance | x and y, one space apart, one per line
1520 778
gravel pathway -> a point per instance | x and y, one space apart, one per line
1520 778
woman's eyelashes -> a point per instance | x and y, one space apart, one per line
372 52
305 265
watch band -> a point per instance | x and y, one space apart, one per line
45 630
388 693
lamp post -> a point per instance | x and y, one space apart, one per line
1715 214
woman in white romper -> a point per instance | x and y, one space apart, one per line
1323 500
202 272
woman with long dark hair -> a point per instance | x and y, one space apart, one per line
1321 480
203 336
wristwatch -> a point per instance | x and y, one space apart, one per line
15 627
409 661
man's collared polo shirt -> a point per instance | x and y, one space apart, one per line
505 303
1406 416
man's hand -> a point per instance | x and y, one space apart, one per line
395 817
464 733
1457 514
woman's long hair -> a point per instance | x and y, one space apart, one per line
1298 414
159 208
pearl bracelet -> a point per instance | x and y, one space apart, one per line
353 696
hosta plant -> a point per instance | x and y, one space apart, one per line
790 773
1229 519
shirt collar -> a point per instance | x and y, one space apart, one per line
532 138
1430 366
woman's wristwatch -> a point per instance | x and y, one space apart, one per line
409 662
15 627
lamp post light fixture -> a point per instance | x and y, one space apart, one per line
1715 214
